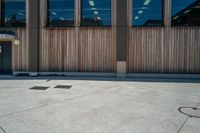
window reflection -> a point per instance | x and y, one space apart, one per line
13 13
60 13
96 13
186 12
147 13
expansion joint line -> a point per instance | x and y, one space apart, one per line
183 124
186 120
1 129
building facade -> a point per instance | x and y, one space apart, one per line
116 37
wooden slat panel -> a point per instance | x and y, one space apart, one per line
144 52
164 50
97 50
58 50
183 51
94 52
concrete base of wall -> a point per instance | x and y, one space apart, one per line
163 76
78 74
121 69
67 74
18 73
33 74
120 75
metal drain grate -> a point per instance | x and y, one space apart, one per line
39 88
63 86
190 111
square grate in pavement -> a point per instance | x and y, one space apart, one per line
39 88
63 86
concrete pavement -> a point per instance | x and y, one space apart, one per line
95 106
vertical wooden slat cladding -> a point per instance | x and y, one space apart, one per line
94 51
20 52
144 50
184 48
58 50
164 50
97 50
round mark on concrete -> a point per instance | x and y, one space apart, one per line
190 111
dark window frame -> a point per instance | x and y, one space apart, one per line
2 19
49 25
88 26
141 26
182 24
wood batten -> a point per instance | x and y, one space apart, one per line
114 13
43 13
77 36
129 13
77 14
114 35
167 12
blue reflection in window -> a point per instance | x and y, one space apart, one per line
147 13
60 13
186 12
96 13
13 13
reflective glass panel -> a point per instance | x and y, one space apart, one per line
147 13
96 13
13 13
60 13
185 13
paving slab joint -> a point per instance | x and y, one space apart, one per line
2 130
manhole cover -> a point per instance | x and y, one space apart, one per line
63 86
39 88
190 111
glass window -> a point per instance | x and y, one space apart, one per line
185 12
147 13
60 13
96 13
13 13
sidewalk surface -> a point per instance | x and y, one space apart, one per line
97 106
